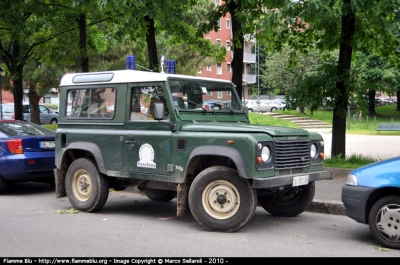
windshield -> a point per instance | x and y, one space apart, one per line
189 95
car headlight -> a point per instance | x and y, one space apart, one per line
265 154
351 180
313 152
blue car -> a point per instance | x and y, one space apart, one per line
372 196
26 152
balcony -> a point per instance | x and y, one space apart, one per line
249 79
249 57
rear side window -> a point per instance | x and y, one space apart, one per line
21 128
90 103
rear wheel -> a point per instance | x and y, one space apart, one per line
384 221
87 188
272 109
2 185
250 110
220 200
291 203
159 195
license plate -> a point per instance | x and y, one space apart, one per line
47 145
300 180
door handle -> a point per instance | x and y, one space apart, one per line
133 142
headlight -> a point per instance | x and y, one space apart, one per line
351 180
313 152
265 154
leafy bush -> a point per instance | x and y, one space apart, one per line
51 106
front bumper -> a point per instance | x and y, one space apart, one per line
280 181
355 200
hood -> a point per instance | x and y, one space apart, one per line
243 128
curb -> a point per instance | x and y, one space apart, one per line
326 207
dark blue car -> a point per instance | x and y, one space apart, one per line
26 152
372 196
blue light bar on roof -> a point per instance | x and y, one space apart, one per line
171 67
131 62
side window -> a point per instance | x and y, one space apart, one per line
93 103
26 108
43 109
143 99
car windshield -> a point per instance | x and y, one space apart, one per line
195 95
22 128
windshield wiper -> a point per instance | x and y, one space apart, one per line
197 105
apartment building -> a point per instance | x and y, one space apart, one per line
223 70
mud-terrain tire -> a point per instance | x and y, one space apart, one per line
220 200
2 185
384 221
87 189
159 195
290 204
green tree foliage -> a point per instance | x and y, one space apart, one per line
343 25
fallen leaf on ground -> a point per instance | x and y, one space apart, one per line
166 218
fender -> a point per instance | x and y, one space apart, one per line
222 151
93 149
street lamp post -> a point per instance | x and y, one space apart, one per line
2 73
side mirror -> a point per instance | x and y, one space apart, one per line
158 111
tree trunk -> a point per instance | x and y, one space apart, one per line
344 64
82 43
371 103
34 104
398 102
151 44
238 42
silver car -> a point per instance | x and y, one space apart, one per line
47 116
265 106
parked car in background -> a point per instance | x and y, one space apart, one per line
265 106
26 152
47 116
281 102
372 196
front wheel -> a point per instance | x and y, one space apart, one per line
220 200
291 203
272 109
87 188
384 221
53 121
159 195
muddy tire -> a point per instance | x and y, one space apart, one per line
87 189
220 200
159 195
292 203
384 221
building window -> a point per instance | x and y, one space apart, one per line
229 93
208 67
217 2
209 93
228 45
219 95
228 23
46 99
219 69
199 71
228 67
218 42
219 24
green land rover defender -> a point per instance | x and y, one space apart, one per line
184 137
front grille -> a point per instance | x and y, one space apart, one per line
292 154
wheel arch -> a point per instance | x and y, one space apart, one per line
86 149
377 195
72 152
229 153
